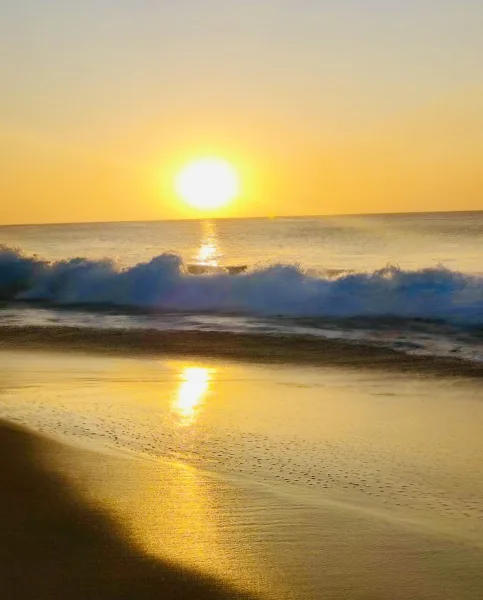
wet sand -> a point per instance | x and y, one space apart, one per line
56 545
231 346
77 524
293 484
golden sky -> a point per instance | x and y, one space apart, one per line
324 106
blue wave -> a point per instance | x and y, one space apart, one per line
164 284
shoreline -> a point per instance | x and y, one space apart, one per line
266 349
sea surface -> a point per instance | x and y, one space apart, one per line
412 282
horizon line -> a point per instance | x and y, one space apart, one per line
268 218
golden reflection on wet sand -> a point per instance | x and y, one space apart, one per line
193 387
179 514
277 515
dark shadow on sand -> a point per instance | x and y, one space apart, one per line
55 546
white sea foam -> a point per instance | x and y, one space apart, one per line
163 284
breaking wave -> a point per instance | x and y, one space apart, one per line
164 284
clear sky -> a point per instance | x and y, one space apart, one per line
324 106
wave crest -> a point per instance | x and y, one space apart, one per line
163 284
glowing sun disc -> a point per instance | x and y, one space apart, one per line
207 183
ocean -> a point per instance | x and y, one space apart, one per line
410 282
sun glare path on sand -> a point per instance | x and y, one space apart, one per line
208 183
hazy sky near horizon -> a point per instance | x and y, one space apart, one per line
325 106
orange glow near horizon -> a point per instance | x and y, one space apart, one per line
302 125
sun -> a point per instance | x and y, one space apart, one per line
208 183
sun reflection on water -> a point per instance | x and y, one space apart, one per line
209 251
193 387
207 254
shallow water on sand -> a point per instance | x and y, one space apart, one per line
401 460
411 446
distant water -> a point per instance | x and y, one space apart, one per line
412 282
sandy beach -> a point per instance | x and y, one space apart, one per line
56 545
150 475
